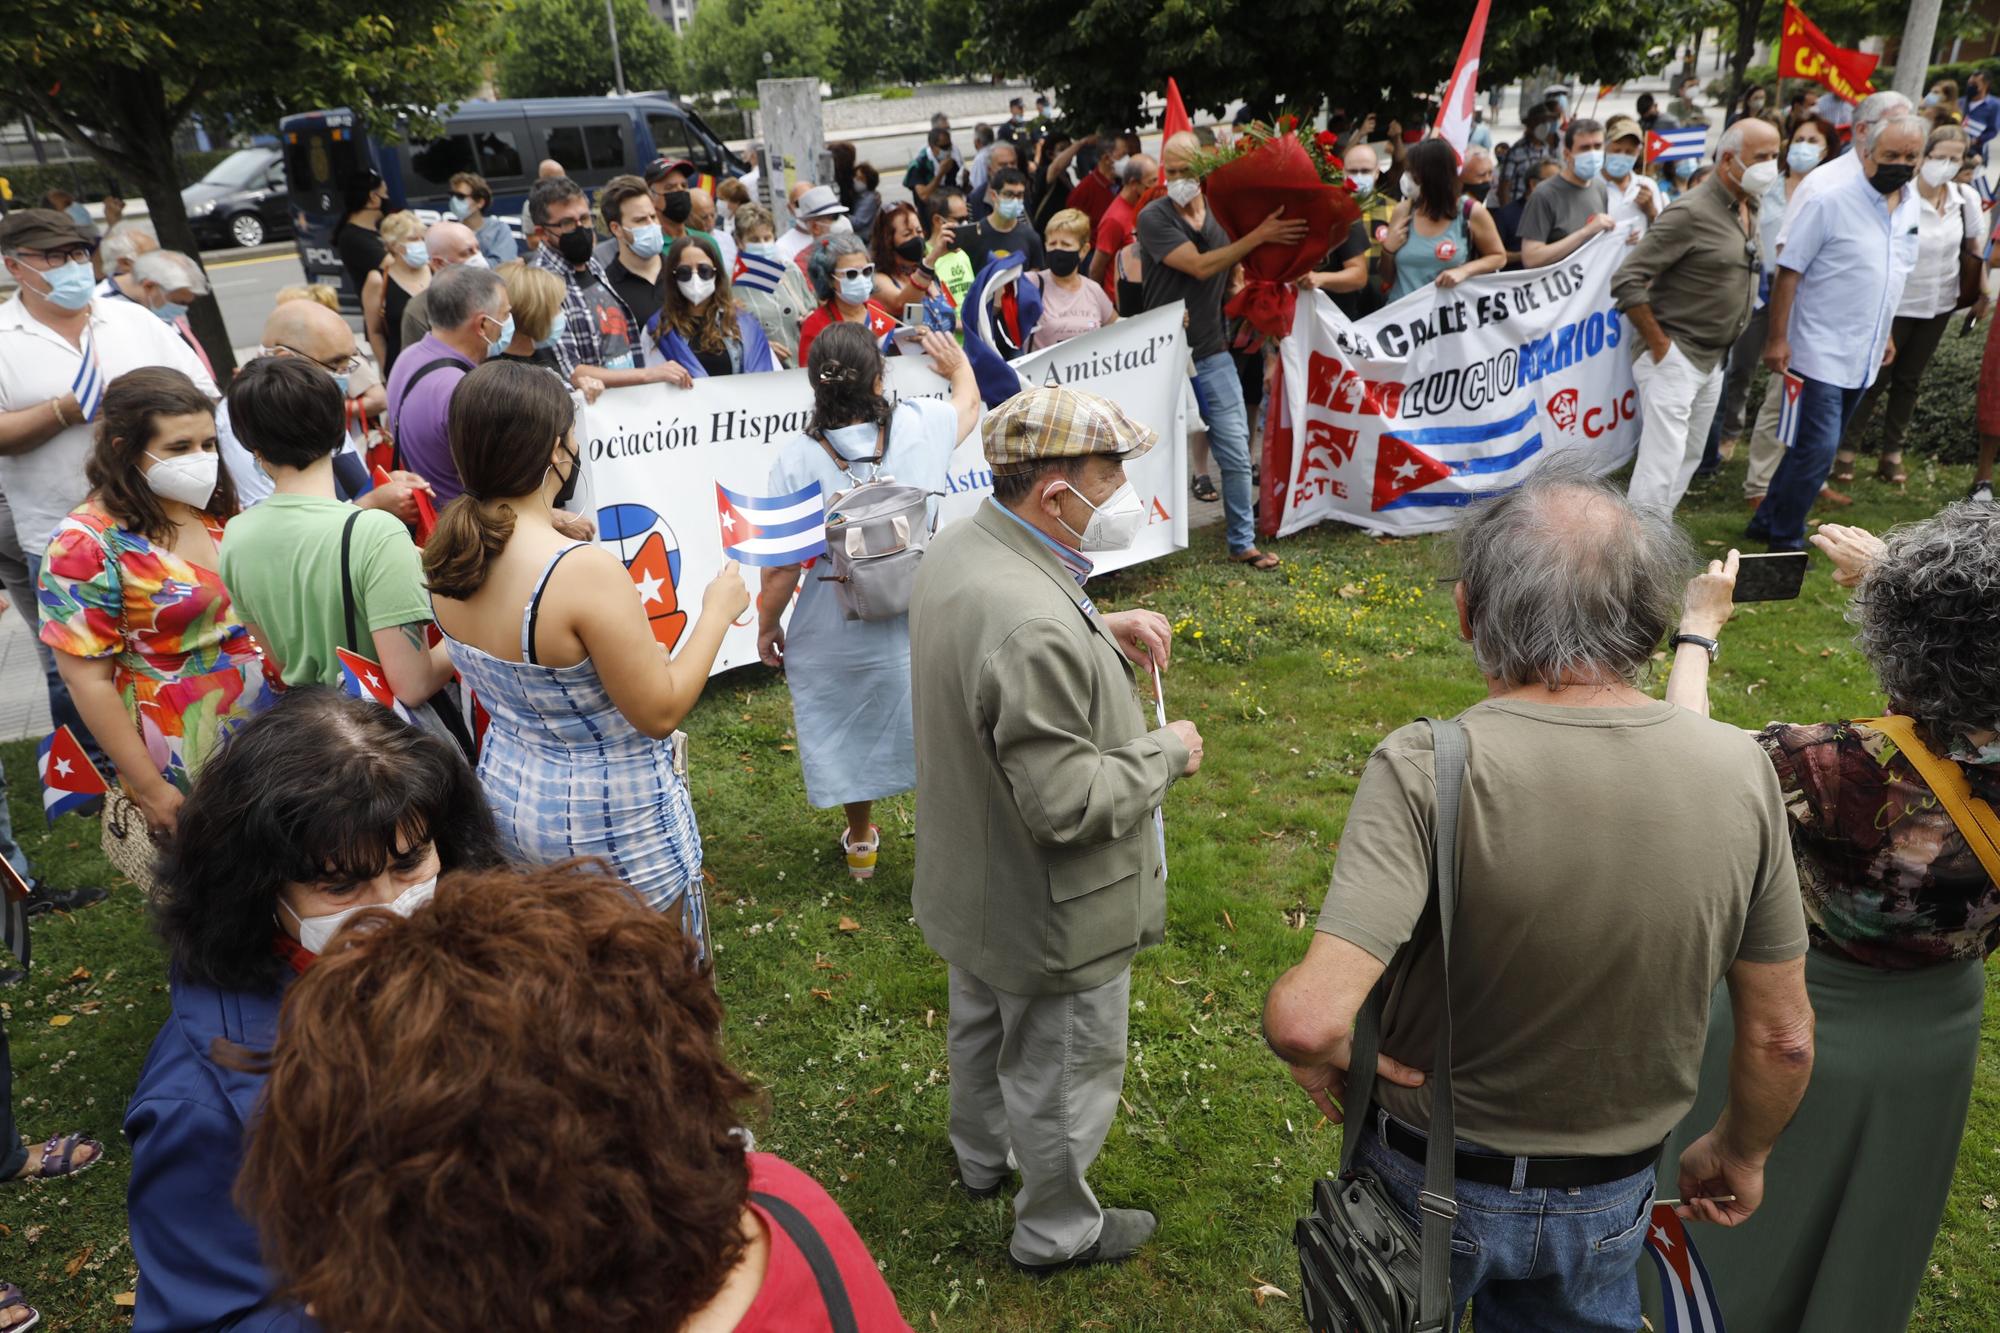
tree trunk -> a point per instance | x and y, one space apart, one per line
1748 12
170 220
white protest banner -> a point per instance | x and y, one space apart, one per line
654 457
1400 420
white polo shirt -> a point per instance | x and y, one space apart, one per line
37 364
1853 257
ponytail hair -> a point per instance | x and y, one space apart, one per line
505 418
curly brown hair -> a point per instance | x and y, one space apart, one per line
708 329
133 405
510 1110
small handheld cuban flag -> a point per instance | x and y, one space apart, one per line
69 779
772 529
365 679
1672 145
1788 409
756 273
1687 1297
14 892
88 386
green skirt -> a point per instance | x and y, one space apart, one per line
1856 1189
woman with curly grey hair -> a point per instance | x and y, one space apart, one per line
1888 831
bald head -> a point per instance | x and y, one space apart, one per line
1179 151
701 210
450 243
549 169
798 188
1360 158
309 329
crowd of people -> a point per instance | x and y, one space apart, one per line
382 1031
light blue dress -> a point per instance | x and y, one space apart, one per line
567 775
850 679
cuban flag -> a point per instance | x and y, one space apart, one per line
756 273
1455 465
88 386
772 529
69 779
14 893
1788 409
1671 145
1686 1294
364 679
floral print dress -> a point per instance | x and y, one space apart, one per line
186 668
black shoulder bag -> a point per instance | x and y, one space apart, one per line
442 708
1361 1267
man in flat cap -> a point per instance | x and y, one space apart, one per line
1040 866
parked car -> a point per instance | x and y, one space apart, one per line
241 201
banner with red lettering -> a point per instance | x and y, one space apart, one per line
1804 52
1398 421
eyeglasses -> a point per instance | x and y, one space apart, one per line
846 274
461 194
1014 194
344 367
69 254
689 272
566 226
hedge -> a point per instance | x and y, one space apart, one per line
30 181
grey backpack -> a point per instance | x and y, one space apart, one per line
876 533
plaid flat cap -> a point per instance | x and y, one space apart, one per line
1036 426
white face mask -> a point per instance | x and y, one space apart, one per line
1183 191
697 290
316 932
1112 525
1759 177
188 478
1938 170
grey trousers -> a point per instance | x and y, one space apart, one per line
1744 358
1038 1075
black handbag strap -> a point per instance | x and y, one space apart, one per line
832 1290
1437 1203
347 581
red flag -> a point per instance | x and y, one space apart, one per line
1804 52
1176 120
1454 122
427 514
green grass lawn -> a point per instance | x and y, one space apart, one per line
838 1009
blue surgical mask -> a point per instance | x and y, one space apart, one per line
1684 168
70 285
1803 155
461 208
1011 209
1588 163
647 241
855 441
340 383
856 291
499 345
1364 181
171 311
416 254
762 249
1619 165
556 327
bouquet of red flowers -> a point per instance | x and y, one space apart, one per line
1265 169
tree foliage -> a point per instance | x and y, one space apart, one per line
122 77
729 39
562 48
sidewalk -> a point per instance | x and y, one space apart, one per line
24 697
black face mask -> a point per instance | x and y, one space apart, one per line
567 491
911 250
575 246
1479 190
1063 263
1890 177
677 207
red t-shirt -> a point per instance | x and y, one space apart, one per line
790 1300
1114 233
880 322
1093 194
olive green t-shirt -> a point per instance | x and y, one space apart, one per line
281 564
1613 864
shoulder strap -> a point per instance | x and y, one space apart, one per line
843 463
832 1290
1972 816
533 613
347 582
437 363
1437 1202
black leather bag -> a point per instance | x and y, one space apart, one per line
1362 1269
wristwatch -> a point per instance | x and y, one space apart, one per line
1710 646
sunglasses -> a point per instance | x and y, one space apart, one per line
844 273
689 272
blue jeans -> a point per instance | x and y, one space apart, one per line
1823 411
1533 1260
1221 395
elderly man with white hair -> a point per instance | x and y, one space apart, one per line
167 282
1844 258
450 243
1475 174
1869 116
121 245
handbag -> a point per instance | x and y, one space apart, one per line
127 841
440 714
1362 1268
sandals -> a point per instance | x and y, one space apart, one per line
13 1298
1890 472
1204 489
59 1159
1256 559
861 856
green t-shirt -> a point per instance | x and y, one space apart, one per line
281 564
955 270
1613 864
